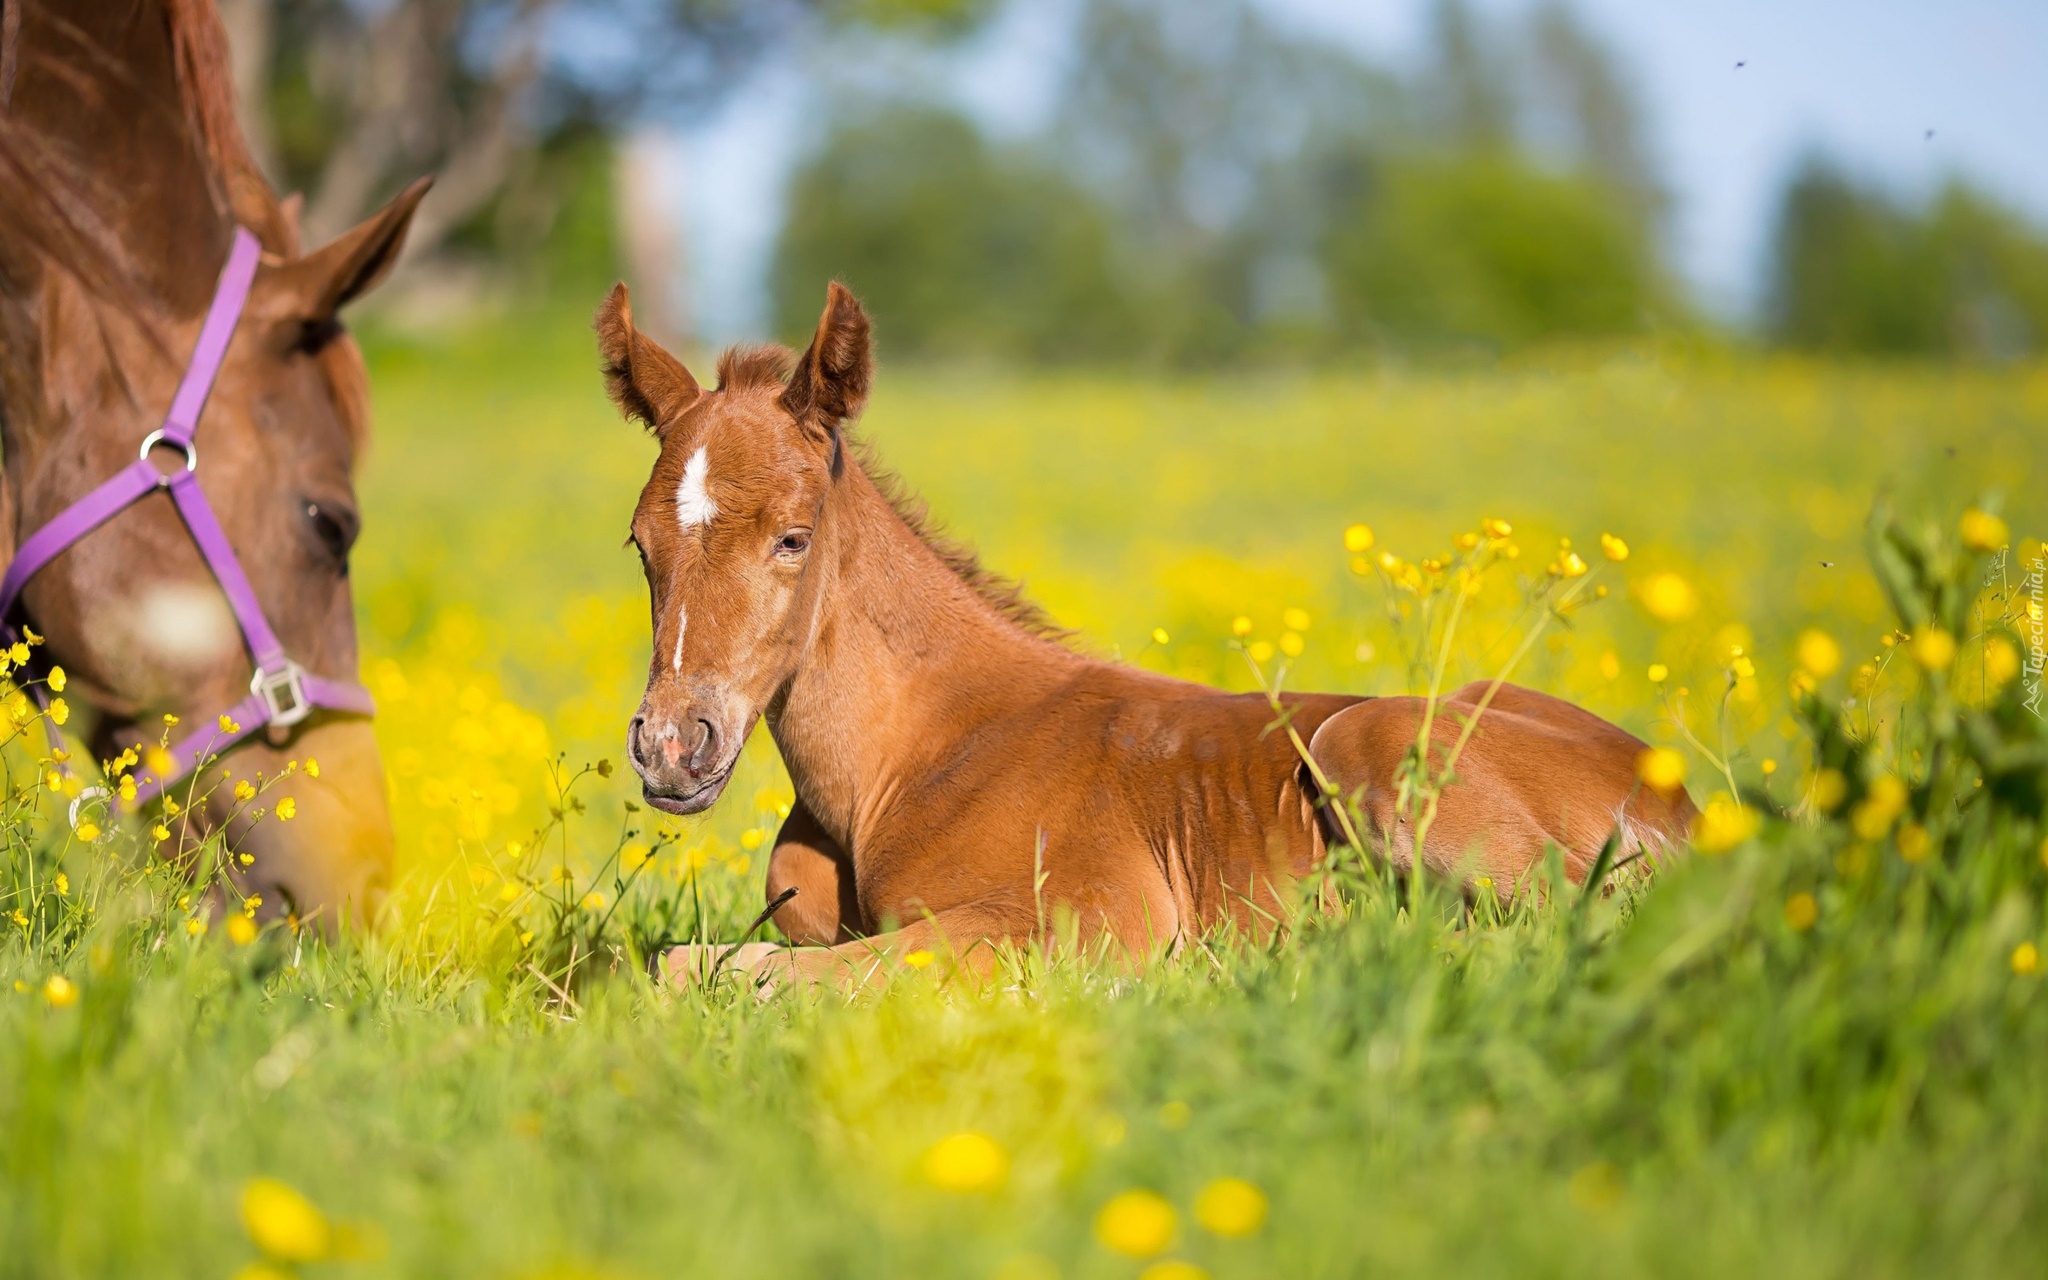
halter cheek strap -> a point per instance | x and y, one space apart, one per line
281 693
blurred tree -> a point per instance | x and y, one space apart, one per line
958 248
346 100
1855 271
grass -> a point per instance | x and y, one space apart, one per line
1695 1079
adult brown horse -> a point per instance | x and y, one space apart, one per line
123 179
961 774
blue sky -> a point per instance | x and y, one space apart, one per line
1865 80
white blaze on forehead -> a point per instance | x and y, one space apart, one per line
693 502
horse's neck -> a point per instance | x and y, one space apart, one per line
907 658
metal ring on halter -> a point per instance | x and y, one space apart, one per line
89 793
157 437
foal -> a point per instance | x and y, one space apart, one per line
961 775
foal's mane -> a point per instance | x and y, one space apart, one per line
747 366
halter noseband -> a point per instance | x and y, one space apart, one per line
282 693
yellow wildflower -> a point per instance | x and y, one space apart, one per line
1668 597
17 653
160 762
171 720
56 680
244 792
62 883
1830 788
285 1225
196 926
1662 770
1884 803
1295 619
227 724
1723 824
1914 843
1173 1269
1613 548
966 1162
1358 538
1801 910
1291 643
312 767
60 991
241 930
1261 651
1817 653
2001 661
126 787
2026 959
1466 541
159 833
1159 635
1572 565
1983 531
1231 1207
60 711
53 780
88 831
918 959
1137 1224
1658 673
1934 648
593 901
287 809
1495 529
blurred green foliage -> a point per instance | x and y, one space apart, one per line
1856 271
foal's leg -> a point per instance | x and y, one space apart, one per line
826 909
964 936
1536 770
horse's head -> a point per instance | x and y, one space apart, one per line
121 181
734 532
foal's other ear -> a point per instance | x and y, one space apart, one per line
316 287
642 378
831 381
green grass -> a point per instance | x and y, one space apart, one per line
1675 1083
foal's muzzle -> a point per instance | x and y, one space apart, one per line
683 763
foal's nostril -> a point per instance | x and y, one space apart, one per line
633 742
706 750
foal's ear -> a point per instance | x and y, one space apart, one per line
642 378
316 287
831 381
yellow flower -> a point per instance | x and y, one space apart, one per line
171 720
1668 597
18 653
1817 653
1240 626
1159 635
62 883
1983 531
53 780
2001 661
1466 541
1291 643
1801 910
196 927
1231 1207
285 1225
88 831
1723 824
1173 1269
1295 619
126 789
287 809
1261 651
1613 548
160 762
56 681
241 930
227 724
593 901
1830 788
1934 648
1662 770
1769 766
1658 673
250 903
60 711
918 959
1495 529
752 838
1571 565
244 792
1137 1224
60 991
171 806
1885 802
1743 668
159 833
2026 959
966 1162
633 857
1913 842
1358 538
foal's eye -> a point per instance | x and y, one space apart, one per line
335 527
793 544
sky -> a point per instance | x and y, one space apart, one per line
1735 92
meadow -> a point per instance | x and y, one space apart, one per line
1812 1051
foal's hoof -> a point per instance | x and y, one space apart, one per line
695 965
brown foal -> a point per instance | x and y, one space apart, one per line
963 776
122 178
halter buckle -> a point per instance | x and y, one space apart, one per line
186 447
284 694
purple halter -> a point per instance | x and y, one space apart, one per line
282 692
